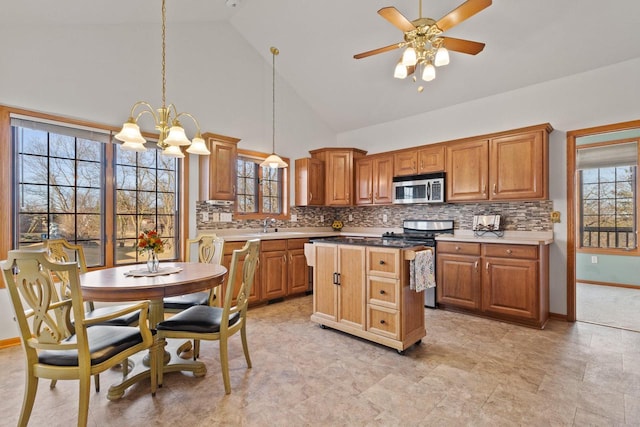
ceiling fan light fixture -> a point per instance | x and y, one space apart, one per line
442 57
429 72
401 71
409 57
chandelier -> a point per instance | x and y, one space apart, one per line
172 135
274 161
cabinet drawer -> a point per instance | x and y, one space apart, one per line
273 245
459 248
383 262
229 247
383 291
511 251
296 243
383 321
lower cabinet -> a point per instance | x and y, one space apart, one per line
504 281
365 291
282 269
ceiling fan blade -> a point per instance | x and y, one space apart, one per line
461 13
463 46
392 15
377 51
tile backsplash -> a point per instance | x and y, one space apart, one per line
515 216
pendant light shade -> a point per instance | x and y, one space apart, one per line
274 161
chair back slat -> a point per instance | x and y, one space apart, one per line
248 256
210 248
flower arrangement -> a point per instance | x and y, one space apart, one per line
336 225
150 241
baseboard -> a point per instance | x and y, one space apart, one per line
558 316
9 342
614 285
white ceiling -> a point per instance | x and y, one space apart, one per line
527 42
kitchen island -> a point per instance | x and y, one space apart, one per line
361 287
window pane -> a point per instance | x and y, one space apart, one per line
32 141
62 146
89 174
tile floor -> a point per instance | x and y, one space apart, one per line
467 371
608 305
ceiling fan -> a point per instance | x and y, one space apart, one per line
425 46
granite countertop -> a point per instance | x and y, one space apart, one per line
509 237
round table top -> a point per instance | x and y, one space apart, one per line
112 284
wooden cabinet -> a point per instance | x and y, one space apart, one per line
374 180
282 270
426 159
505 281
508 166
339 174
309 182
218 170
365 291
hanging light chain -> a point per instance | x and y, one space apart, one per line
164 79
274 52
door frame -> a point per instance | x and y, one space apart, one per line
572 207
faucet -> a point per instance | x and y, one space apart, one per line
265 224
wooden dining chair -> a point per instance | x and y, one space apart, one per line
205 322
210 250
61 250
59 341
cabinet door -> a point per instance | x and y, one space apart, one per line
274 274
339 178
459 280
219 180
517 167
298 272
431 159
405 163
325 292
382 177
364 181
510 287
309 182
467 171
254 295
351 288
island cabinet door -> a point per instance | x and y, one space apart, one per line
325 291
351 286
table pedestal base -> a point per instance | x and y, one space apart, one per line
139 366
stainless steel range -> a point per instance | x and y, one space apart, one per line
422 232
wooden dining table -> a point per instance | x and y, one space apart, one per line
174 278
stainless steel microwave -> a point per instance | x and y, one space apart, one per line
427 188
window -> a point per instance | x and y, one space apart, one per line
63 188
607 190
261 191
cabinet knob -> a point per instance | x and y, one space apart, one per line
509 251
382 262
382 322
382 292
457 248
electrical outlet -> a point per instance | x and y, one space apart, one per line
204 216
215 217
294 218
384 217
321 218
350 217
594 259
226 217
555 216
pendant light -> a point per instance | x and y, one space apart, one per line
274 161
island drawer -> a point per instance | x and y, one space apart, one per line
383 291
383 262
459 248
383 321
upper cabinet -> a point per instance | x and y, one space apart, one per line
309 182
423 160
374 180
339 173
508 166
218 170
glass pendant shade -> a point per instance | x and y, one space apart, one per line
274 161
198 146
442 57
173 151
409 57
177 136
130 132
133 146
429 72
400 72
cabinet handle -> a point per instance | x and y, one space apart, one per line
291 258
487 266
335 278
422 164
338 279
382 262
382 322
382 292
310 196
495 188
284 258
484 188
475 265
233 190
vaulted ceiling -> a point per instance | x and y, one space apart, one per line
527 42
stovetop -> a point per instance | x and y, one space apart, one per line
371 241
421 230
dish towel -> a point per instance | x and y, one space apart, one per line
421 271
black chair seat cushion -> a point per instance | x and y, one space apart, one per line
201 318
105 341
182 302
124 320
